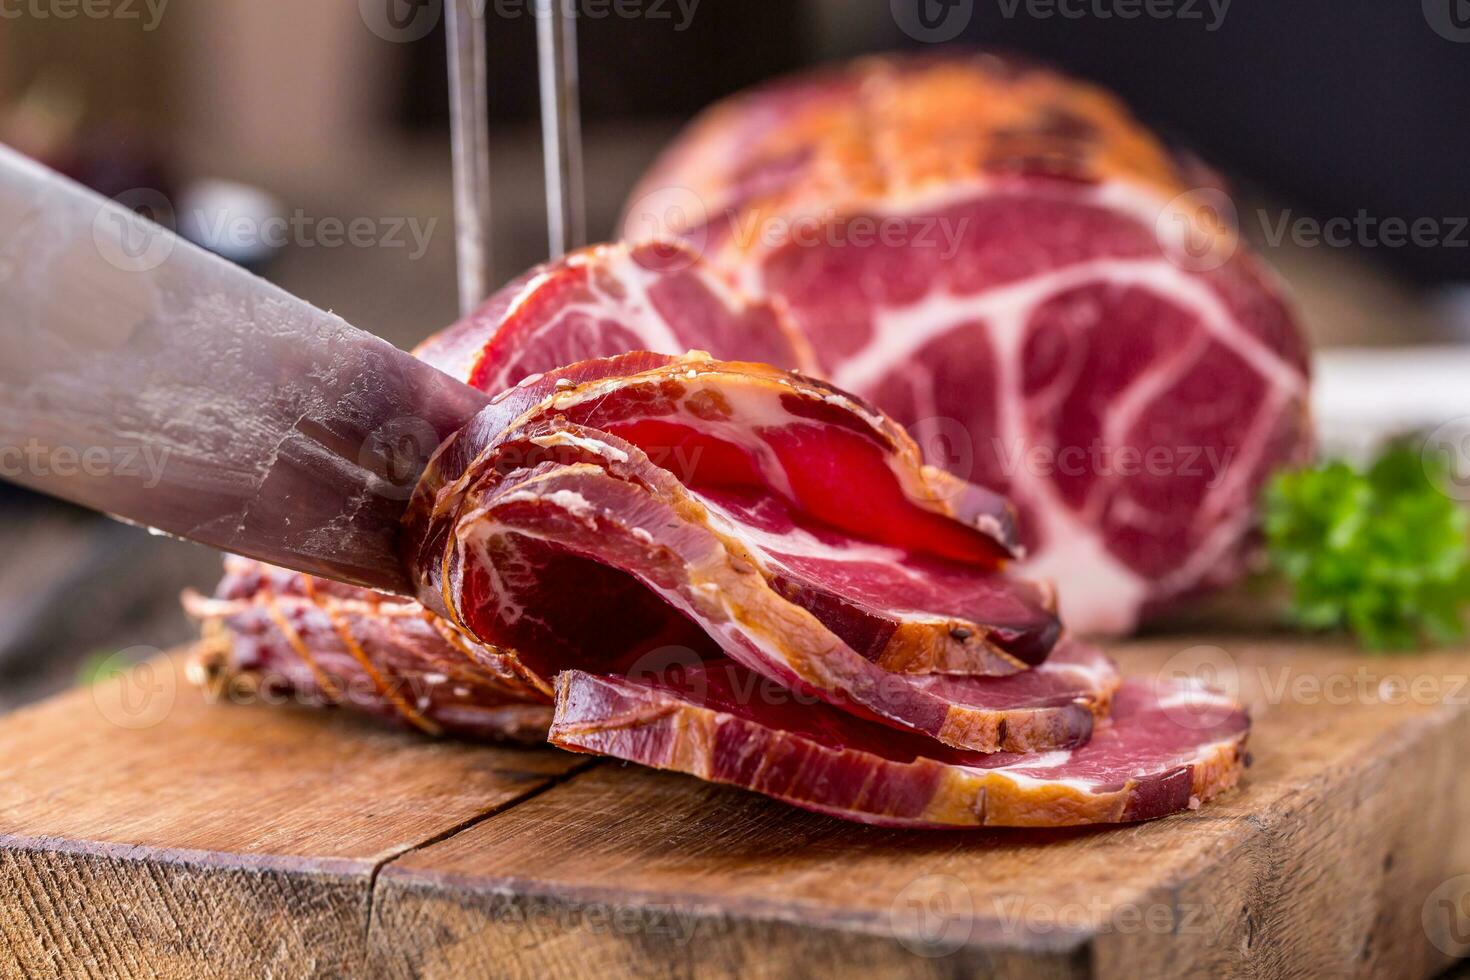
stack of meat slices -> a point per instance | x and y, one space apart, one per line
731 570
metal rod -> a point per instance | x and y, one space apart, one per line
561 124
469 129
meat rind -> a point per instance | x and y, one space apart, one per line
1167 747
291 636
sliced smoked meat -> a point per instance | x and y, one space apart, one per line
569 546
1008 263
1166 747
317 642
601 300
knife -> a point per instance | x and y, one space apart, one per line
146 378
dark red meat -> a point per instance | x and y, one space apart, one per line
564 542
1164 749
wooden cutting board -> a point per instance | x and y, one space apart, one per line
145 831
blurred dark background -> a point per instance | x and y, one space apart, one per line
1321 109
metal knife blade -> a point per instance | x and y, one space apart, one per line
146 378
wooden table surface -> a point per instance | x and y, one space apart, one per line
144 830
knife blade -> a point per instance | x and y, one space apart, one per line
146 378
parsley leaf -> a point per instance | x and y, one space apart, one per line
1383 551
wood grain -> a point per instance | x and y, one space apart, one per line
1322 865
239 840
144 830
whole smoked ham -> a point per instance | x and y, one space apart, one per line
1008 263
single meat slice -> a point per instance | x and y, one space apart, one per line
569 546
1008 263
611 299
904 611
323 643
747 427
1167 747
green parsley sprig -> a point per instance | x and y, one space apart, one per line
1381 551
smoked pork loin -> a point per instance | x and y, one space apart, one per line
1004 260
